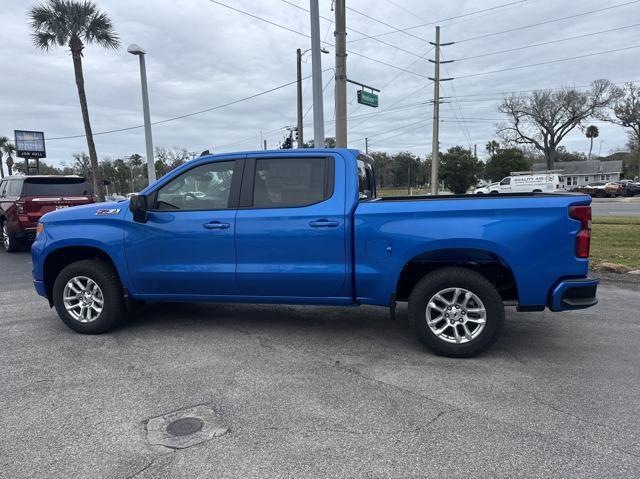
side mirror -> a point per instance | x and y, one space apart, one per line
138 206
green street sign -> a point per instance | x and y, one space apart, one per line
368 98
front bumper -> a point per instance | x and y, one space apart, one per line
40 288
571 294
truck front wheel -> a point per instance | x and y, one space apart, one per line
88 296
456 311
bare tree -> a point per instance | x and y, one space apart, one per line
626 112
545 117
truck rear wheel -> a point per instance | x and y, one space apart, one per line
88 296
456 312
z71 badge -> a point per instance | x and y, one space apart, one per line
113 211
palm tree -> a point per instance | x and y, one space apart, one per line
9 149
591 133
3 141
492 147
75 23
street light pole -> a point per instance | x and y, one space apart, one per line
316 72
151 166
299 93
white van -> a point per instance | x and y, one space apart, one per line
537 183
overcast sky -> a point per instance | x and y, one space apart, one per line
201 55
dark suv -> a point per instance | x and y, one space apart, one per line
24 199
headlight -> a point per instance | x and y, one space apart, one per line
39 229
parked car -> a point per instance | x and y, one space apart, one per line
306 227
601 189
24 199
540 183
629 188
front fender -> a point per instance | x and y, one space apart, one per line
105 235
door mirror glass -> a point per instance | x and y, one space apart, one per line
138 206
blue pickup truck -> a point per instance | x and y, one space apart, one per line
307 227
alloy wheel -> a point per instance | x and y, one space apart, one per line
456 315
83 299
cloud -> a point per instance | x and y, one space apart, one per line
201 55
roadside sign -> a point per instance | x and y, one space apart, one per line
30 144
368 98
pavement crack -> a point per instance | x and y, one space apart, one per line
140 471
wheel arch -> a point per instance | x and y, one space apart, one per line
487 263
57 259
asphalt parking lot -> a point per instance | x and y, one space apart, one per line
316 392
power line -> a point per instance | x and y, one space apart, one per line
385 24
532 45
546 22
357 31
187 115
308 36
444 20
455 102
548 62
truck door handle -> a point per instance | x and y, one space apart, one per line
322 223
216 225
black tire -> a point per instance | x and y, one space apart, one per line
600 194
103 274
457 277
10 243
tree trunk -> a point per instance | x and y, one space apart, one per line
1 167
590 147
76 54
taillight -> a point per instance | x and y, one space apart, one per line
583 238
20 208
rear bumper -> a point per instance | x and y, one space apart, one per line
27 234
571 294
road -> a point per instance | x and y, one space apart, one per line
317 392
616 206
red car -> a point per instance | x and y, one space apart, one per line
24 199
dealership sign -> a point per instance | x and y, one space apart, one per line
30 144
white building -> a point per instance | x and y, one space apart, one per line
578 173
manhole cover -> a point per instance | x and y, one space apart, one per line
184 426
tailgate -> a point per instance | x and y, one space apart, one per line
36 206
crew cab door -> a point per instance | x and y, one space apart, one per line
187 245
290 227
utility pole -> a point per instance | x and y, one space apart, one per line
316 76
341 73
435 155
366 145
265 144
299 95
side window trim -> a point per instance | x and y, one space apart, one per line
248 181
234 193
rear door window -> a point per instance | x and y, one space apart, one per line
57 187
291 182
